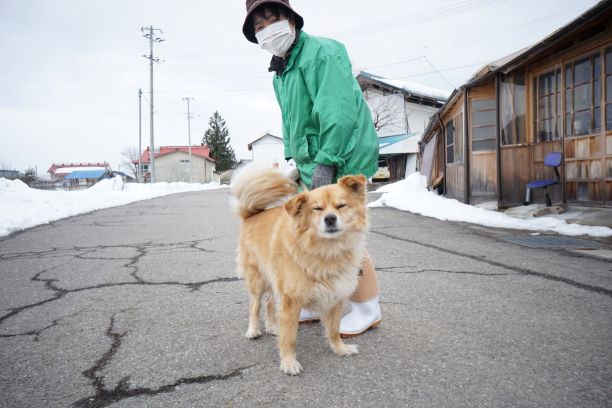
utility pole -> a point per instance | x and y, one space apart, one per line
152 38
186 99
139 170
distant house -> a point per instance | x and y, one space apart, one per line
124 176
10 174
268 151
172 164
58 171
80 179
400 112
491 137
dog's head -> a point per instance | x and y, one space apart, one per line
333 210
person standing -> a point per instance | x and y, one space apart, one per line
327 126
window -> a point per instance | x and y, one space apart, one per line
454 140
512 106
483 124
450 142
583 96
547 106
609 88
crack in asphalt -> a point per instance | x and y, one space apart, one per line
392 269
522 271
60 293
60 252
36 333
104 397
142 250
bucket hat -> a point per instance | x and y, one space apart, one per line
251 5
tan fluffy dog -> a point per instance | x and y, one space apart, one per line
305 253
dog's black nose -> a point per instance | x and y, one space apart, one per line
330 219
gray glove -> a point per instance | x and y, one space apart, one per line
323 174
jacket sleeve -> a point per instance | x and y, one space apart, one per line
330 84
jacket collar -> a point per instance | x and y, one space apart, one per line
281 65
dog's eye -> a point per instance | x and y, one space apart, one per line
339 206
317 208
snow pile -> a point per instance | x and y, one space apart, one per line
412 195
23 207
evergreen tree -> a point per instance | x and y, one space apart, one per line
217 138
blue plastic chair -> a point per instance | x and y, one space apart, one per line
552 159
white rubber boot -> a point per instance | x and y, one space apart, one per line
308 316
362 317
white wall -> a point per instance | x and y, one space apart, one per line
170 169
268 151
411 163
418 116
407 116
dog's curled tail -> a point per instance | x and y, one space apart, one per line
254 189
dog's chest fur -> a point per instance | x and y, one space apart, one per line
325 294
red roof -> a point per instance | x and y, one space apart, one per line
202 151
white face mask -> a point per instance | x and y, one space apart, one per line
276 38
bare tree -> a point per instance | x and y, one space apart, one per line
385 113
129 158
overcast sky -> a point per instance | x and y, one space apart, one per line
71 69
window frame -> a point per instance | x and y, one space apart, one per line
596 107
450 126
492 125
534 100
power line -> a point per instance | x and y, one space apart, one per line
439 73
421 17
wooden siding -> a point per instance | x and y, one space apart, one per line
515 162
455 181
483 164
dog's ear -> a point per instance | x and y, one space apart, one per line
295 206
356 184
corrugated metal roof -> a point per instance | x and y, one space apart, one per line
86 174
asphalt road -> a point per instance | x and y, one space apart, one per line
139 306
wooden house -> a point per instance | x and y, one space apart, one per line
491 137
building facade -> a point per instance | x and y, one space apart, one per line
491 137
268 151
400 113
172 164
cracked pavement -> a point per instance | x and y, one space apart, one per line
140 306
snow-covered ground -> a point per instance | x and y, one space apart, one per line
23 207
412 195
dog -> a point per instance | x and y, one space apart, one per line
306 252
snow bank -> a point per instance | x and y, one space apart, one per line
412 195
23 207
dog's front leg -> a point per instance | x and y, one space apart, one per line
331 321
289 317
271 315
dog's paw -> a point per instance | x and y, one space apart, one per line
291 366
273 330
346 350
253 333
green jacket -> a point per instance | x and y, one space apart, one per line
325 119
